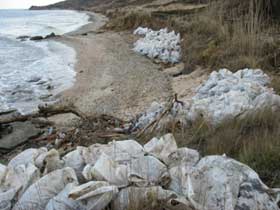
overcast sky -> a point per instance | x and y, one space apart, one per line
24 4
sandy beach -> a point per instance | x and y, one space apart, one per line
111 78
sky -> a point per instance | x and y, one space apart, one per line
24 4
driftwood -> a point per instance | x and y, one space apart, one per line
44 111
155 122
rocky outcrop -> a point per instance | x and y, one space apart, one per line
124 175
36 38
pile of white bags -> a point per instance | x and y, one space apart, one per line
160 44
124 175
224 95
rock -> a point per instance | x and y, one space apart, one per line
161 148
51 35
41 192
34 79
45 97
175 70
23 38
36 38
96 194
21 132
160 44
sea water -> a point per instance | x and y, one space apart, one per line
32 72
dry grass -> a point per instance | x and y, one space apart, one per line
253 140
228 33
232 35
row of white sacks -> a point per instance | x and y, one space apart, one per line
224 95
123 175
160 44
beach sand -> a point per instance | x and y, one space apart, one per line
112 79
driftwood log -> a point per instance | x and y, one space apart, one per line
43 111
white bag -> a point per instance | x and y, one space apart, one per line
75 160
231 184
106 169
161 148
63 202
40 193
3 171
27 156
148 171
139 198
6 199
187 157
21 177
96 194
120 151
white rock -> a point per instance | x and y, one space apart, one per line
161 148
41 192
159 44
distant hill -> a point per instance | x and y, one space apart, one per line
90 4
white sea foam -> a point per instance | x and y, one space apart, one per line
32 71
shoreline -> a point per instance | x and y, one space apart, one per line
110 78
